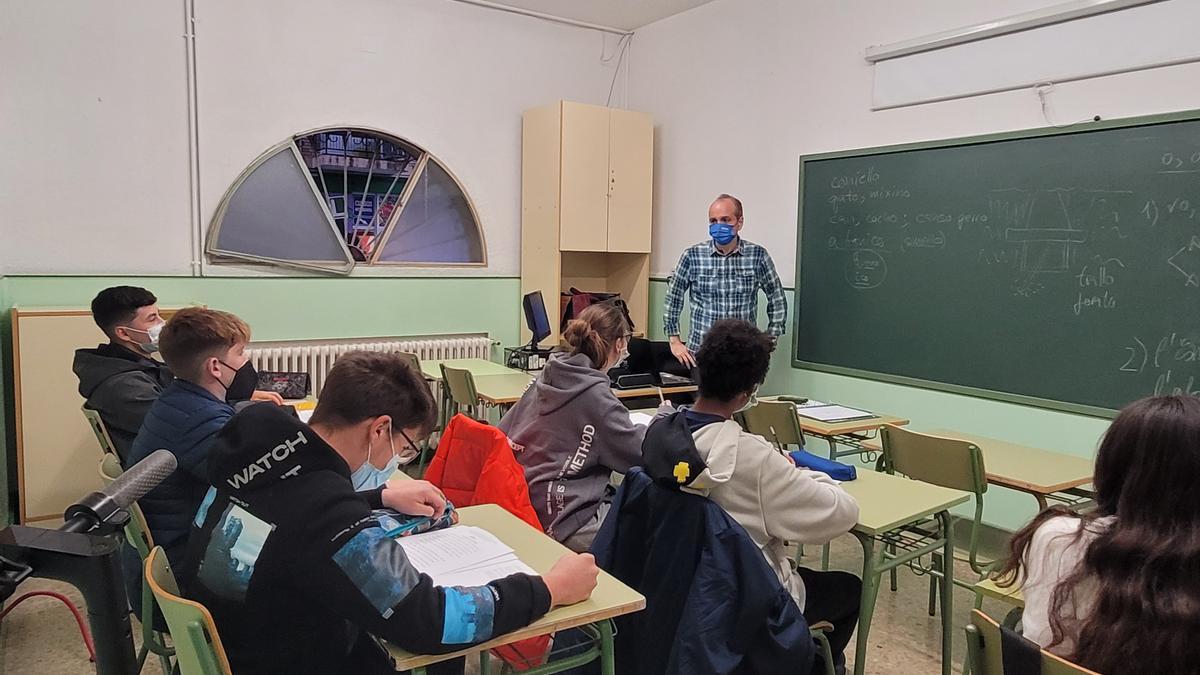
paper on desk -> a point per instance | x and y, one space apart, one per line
834 413
641 418
810 403
462 556
305 415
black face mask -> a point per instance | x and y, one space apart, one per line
243 384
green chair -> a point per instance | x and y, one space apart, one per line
137 533
947 462
775 421
412 360
985 657
100 430
460 385
198 649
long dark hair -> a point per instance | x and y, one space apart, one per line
1144 564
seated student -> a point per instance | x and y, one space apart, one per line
1117 589
761 488
206 349
570 431
120 379
297 574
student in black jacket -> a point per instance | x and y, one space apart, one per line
297 574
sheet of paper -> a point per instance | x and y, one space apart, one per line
452 549
641 418
304 415
480 576
834 413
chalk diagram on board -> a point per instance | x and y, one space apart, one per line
1044 233
1186 261
865 269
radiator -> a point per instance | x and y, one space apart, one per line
316 357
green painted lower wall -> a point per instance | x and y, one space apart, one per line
283 309
1061 432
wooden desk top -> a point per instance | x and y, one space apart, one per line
1021 467
611 597
1011 595
502 389
431 369
828 429
653 391
886 502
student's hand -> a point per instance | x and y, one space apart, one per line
665 408
572 579
414 498
268 396
682 353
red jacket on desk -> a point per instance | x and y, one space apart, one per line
474 464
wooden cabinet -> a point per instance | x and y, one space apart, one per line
586 199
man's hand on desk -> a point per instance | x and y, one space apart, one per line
682 353
414 497
572 579
267 396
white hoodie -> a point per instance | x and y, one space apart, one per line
776 502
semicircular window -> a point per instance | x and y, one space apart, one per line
336 198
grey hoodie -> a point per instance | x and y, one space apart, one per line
570 432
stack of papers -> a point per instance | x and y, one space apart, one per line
830 412
462 556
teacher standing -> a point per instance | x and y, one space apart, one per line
722 277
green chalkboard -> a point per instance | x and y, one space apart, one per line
1056 267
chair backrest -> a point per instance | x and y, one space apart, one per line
412 360
137 531
461 386
947 462
198 648
987 658
775 421
100 430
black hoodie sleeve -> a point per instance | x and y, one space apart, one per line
351 567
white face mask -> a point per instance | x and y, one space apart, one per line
151 345
750 402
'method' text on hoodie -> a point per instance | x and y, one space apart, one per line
760 488
297 573
570 433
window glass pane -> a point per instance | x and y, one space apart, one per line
275 214
361 175
436 224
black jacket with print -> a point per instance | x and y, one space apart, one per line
296 573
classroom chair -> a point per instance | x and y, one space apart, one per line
412 360
137 533
198 649
100 430
985 654
775 421
461 387
947 462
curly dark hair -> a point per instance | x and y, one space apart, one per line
1141 569
733 359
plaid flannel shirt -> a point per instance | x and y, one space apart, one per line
723 287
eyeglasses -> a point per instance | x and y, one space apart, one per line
409 452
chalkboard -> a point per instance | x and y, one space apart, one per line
1056 267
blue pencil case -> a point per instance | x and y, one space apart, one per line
397 524
835 470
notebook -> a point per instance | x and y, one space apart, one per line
833 413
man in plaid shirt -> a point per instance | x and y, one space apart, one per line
723 276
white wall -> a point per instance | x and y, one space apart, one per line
100 124
740 89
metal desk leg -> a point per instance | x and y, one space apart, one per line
608 665
947 588
485 662
1041 500
872 556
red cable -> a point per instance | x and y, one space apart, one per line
87 637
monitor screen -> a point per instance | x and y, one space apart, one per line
535 316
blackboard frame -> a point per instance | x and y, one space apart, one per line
1019 399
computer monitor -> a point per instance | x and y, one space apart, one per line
535 317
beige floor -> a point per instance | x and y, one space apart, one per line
40 636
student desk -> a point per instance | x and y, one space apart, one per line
432 370
1041 473
855 434
505 390
611 598
886 505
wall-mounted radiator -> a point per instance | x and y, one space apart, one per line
316 357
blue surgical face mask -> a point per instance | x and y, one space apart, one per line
367 477
722 233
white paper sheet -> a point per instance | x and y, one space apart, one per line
452 549
641 418
834 413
